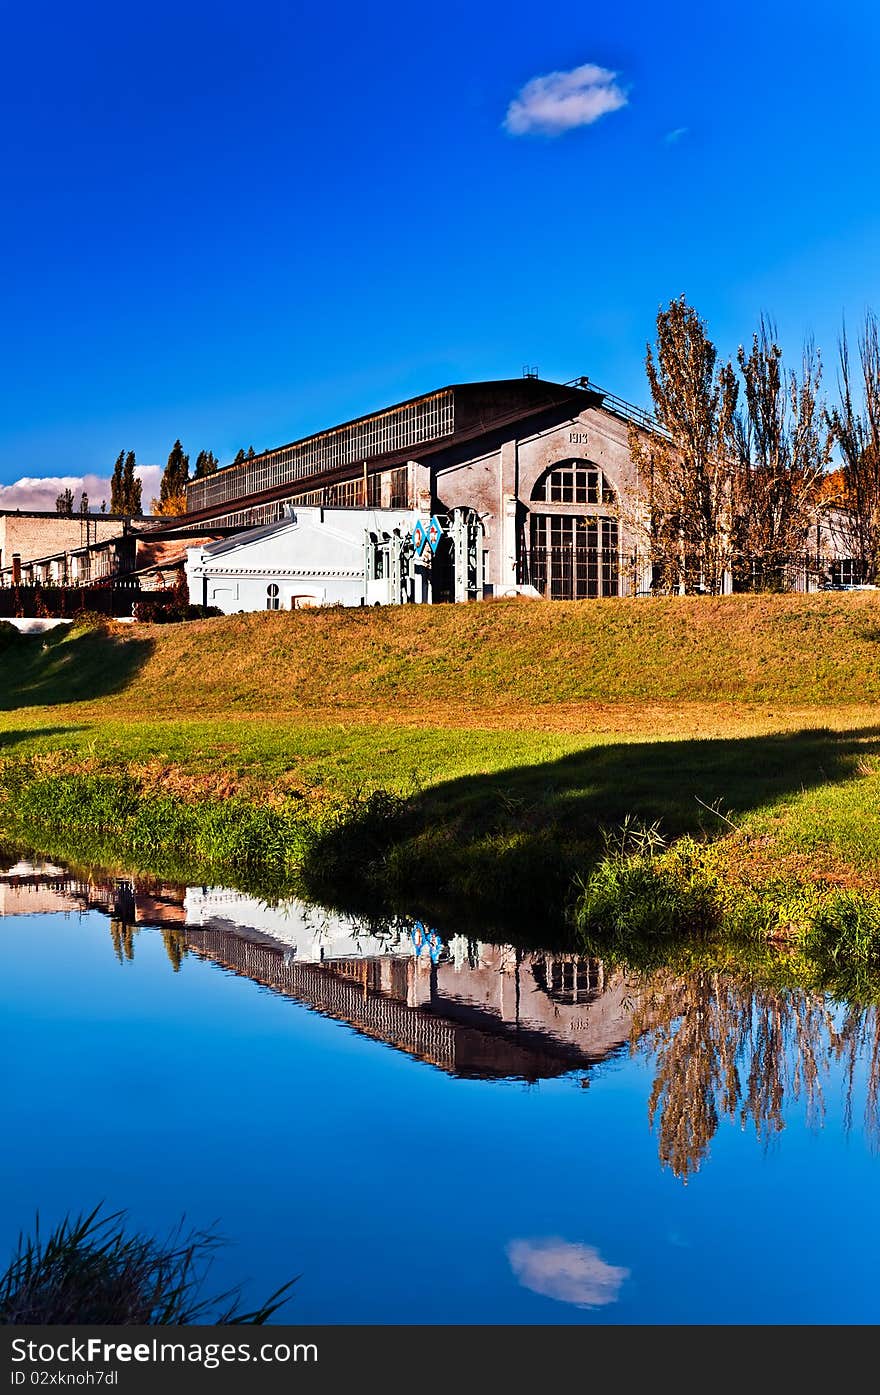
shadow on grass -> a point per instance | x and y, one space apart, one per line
509 844
63 666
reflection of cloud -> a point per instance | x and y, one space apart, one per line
570 1273
559 102
32 492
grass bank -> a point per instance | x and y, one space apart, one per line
468 761
497 656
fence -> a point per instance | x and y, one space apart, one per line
62 602
571 573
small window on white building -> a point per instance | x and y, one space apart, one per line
272 598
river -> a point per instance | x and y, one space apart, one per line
429 1128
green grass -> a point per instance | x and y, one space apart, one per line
516 734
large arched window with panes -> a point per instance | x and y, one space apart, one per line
574 482
573 547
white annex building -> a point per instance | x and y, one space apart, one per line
330 556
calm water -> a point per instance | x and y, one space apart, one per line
434 1130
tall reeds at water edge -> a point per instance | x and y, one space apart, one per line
90 1269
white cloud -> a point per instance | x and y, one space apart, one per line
559 102
672 136
40 493
569 1273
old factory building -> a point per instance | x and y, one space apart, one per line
523 474
518 486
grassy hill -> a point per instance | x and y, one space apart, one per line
516 734
802 650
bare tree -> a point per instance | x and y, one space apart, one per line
857 430
685 468
784 445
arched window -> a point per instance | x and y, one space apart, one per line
569 980
574 482
272 599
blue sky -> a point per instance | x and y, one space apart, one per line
240 223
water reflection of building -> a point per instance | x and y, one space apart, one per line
724 1048
467 1007
474 1009
28 888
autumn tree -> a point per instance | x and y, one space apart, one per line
856 424
172 490
64 503
684 503
784 445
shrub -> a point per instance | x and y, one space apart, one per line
88 620
846 928
641 891
166 607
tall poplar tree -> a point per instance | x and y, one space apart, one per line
206 464
117 502
856 422
131 488
686 467
784 441
172 491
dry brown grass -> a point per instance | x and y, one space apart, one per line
566 664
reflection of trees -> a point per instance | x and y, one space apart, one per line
726 1049
122 934
175 946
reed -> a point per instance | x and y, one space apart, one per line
91 1270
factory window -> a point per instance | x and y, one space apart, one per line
272 600
399 489
845 572
574 482
571 558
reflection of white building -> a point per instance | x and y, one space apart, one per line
312 933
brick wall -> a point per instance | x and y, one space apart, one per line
40 534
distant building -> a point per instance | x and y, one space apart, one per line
543 470
32 539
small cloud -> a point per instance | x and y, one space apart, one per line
31 492
672 137
559 102
569 1273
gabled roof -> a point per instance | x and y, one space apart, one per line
303 515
